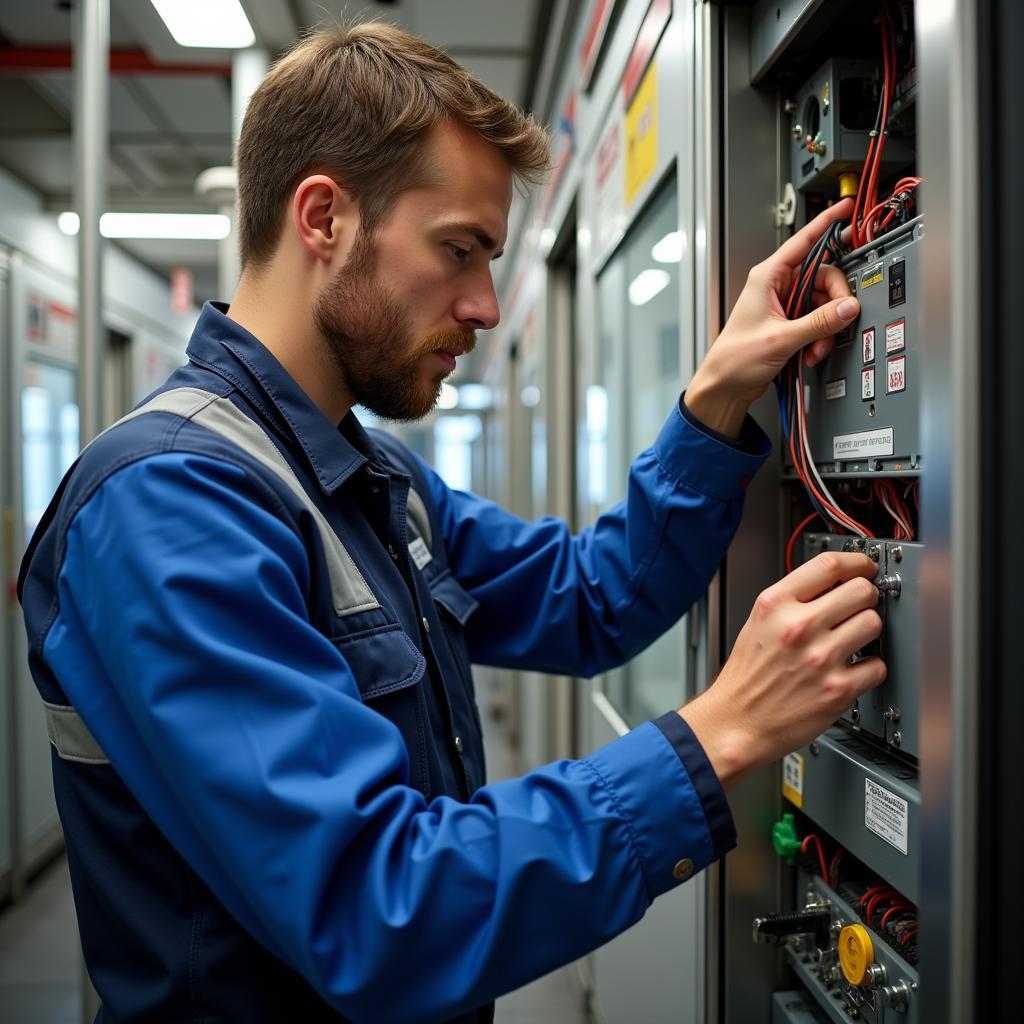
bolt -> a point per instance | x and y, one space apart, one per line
897 739
855 714
891 584
814 748
896 552
797 131
836 927
874 552
891 714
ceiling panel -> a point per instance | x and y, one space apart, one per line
45 164
188 103
468 24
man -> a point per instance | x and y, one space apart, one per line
252 623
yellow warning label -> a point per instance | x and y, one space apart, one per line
642 134
793 779
871 275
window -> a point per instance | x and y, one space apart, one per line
639 382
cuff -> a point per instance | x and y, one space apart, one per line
702 459
696 764
660 805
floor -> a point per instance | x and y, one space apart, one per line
40 972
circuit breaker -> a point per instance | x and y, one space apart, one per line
865 398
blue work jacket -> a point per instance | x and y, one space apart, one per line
252 631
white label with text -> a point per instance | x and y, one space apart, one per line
835 389
864 443
886 814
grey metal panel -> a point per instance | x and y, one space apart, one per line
898 410
843 148
838 763
796 1007
774 24
890 711
8 776
836 999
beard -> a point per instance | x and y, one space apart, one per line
370 340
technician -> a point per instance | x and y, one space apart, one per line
252 622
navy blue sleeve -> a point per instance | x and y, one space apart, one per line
697 766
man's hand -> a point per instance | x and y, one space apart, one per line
789 675
758 340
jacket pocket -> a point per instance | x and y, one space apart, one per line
388 668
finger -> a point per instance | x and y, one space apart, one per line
865 675
846 600
823 572
792 252
818 350
831 281
819 323
855 633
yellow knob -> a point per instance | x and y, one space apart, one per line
856 952
848 182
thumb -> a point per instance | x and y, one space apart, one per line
822 322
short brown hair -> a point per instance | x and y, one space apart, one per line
354 102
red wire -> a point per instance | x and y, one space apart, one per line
895 909
833 867
792 539
907 934
821 853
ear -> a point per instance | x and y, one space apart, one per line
325 217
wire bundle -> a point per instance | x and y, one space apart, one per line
894 504
872 217
790 389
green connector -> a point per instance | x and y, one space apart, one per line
784 838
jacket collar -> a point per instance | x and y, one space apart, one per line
334 453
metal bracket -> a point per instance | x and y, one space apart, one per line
785 211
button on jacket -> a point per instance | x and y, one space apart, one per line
253 630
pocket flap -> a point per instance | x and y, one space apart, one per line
382 660
449 593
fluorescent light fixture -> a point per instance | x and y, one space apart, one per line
154 225
646 285
449 397
669 249
219 24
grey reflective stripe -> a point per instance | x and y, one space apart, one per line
70 736
417 518
349 590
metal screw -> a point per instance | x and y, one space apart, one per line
814 748
874 552
891 714
855 714
836 927
896 553
897 739
797 131
891 584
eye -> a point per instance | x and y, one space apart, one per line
458 252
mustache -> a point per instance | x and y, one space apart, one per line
463 338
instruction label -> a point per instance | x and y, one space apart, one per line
793 779
896 374
835 389
867 339
896 336
862 444
885 814
867 383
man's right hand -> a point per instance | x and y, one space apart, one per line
789 675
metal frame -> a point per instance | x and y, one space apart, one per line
951 489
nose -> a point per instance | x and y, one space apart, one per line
477 308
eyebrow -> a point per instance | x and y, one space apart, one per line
477 232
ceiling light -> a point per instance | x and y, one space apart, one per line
154 225
220 24
646 285
669 249
474 396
